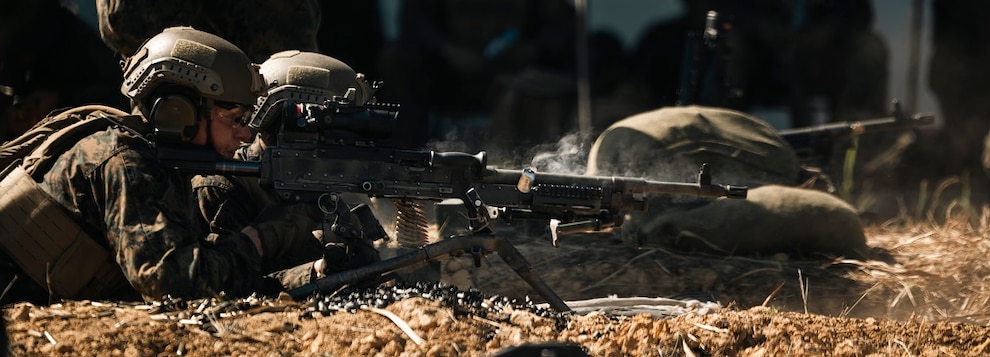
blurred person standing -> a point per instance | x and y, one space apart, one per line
793 63
458 61
813 61
657 59
356 38
957 77
821 59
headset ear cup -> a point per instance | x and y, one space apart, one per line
175 118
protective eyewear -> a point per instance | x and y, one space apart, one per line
240 114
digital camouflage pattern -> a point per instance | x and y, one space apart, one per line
258 27
227 204
113 182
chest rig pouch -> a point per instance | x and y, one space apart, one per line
40 235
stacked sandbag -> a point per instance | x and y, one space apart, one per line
672 143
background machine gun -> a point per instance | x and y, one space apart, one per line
704 80
816 144
325 150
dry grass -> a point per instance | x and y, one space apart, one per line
941 269
932 261
937 248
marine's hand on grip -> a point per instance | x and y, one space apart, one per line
286 230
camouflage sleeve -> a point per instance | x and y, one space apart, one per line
148 221
224 205
252 151
295 277
229 203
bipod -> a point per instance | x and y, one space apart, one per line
478 245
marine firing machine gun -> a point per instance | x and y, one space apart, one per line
328 149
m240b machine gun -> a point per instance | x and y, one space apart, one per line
329 149
815 144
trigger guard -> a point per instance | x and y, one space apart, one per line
321 202
553 231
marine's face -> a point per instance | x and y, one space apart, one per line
229 129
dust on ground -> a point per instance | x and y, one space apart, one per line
925 292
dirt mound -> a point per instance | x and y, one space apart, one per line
923 293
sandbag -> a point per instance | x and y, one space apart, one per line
773 219
671 143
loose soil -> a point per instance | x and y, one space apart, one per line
925 292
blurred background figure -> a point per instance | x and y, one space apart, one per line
657 59
820 59
814 62
953 158
50 59
353 32
260 28
793 62
457 62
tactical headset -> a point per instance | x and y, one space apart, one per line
175 115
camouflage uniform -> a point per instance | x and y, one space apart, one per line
113 182
229 203
258 27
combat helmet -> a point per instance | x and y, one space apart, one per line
306 77
182 71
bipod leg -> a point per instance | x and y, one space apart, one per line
439 250
511 256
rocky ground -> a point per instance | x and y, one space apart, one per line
925 293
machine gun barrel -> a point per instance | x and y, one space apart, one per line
819 141
612 191
303 174
887 124
326 150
